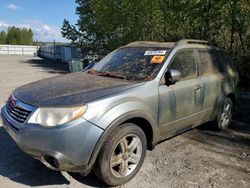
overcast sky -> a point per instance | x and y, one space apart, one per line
44 17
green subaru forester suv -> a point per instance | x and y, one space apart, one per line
107 117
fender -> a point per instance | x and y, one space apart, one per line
116 123
111 111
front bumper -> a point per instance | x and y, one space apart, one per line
66 147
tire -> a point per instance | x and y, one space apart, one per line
121 155
224 115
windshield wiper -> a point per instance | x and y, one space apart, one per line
112 75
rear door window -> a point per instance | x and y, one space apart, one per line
208 62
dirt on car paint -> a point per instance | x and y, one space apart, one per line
202 157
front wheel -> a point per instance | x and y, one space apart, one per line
121 155
224 116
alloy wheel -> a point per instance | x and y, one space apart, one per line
226 114
126 156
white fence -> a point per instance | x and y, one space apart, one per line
18 50
62 53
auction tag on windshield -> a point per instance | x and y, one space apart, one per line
157 59
155 52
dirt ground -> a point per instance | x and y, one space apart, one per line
201 157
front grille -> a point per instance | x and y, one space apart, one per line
19 114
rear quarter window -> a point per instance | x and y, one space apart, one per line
225 61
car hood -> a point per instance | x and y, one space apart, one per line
70 90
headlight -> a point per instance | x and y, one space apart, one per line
50 117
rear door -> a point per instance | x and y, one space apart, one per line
212 81
228 70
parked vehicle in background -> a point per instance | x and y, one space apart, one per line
137 96
89 66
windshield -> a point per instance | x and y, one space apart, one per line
131 63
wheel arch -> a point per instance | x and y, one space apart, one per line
232 96
145 125
138 118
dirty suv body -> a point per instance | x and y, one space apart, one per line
107 117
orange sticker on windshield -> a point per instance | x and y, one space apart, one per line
157 59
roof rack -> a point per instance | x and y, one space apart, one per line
193 41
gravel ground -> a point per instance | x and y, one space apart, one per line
201 157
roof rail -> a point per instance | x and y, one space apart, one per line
193 41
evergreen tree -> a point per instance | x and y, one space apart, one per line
19 36
2 37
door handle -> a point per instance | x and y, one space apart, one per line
197 87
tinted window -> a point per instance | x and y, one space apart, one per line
208 62
185 62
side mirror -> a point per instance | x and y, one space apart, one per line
172 76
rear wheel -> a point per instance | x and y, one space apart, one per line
121 155
224 116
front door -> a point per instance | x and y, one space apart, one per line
179 103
